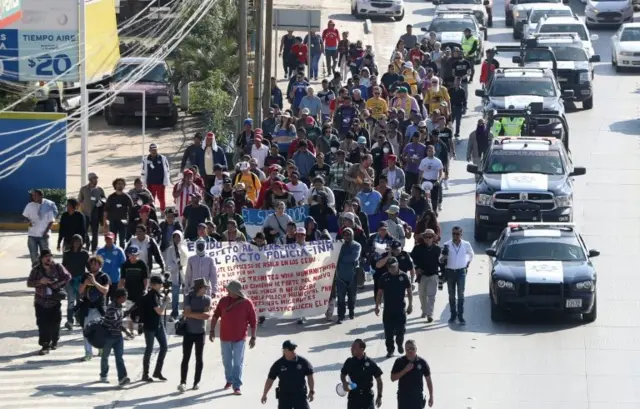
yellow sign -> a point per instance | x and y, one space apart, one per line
103 44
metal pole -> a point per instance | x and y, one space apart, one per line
144 121
84 95
257 75
244 68
268 56
309 44
276 46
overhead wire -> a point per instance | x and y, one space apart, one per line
176 39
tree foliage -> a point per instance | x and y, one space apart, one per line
209 98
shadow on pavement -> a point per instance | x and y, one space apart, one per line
627 127
13 280
181 400
17 293
278 327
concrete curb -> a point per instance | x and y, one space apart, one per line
21 226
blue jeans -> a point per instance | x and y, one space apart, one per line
36 245
315 62
233 360
115 342
349 290
92 315
456 114
149 336
175 297
72 288
456 280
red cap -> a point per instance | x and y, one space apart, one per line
279 184
188 172
210 136
309 120
110 236
392 157
273 168
145 209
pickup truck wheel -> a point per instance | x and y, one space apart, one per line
171 121
593 315
508 21
588 104
516 34
480 234
497 313
112 120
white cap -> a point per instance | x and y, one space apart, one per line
422 124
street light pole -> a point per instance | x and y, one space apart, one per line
268 56
244 68
257 75
84 95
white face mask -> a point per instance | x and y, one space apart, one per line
139 202
334 150
385 150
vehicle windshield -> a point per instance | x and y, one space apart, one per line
538 14
565 28
524 161
537 1
461 2
630 34
542 249
562 53
157 74
506 87
451 25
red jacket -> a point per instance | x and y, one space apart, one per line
485 71
300 51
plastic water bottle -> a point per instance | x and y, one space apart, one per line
352 386
368 276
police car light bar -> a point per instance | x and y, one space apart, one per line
527 139
555 35
540 225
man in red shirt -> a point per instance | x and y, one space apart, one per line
300 51
237 312
331 38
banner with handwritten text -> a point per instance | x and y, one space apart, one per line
254 218
283 281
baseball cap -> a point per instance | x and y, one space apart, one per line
306 111
110 235
226 180
289 345
156 279
133 250
349 216
153 146
301 230
383 225
393 209
92 176
396 244
392 261
188 172
145 209
362 140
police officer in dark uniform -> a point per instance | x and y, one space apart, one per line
393 286
294 373
361 371
409 370
404 260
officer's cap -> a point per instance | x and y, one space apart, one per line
289 345
396 245
392 261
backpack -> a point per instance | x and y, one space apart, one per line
96 333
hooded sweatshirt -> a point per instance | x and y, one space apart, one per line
313 233
348 261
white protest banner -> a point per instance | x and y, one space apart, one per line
283 281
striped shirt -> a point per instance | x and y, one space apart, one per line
337 172
113 319
184 198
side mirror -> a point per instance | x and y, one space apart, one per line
595 37
486 3
595 58
471 168
567 94
436 2
593 253
578 171
516 59
480 93
424 29
490 252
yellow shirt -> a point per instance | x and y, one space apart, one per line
411 77
252 183
378 107
435 98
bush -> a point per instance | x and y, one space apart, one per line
57 196
209 98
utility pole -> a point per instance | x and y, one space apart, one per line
268 56
244 67
257 75
84 95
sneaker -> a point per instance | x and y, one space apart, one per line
352 315
68 326
146 378
423 315
400 349
172 319
300 321
195 387
182 388
43 351
339 321
124 381
461 320
159 377
237 392
54 347
389 354
87 358
429 319
104 379
452 319
227 386
261 320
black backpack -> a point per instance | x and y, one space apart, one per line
96 333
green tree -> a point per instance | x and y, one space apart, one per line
209 98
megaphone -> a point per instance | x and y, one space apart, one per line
342 392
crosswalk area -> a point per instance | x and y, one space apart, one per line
61 379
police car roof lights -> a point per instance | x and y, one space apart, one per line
523 139
519 226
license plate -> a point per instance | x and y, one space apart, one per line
138 113
575 303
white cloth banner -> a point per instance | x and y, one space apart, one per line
283 281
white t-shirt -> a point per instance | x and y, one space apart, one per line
430 168
299 191
38 224
260 154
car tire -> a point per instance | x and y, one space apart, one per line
480 234
516 34
593 315
588 103
497 313
401 16
171 121
508 22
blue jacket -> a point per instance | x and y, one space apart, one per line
113 259
304 162
348 261
369 201
219 158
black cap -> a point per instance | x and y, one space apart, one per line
396 244
121 292
383 224
392 261
226 180
217 166
156 280
289 345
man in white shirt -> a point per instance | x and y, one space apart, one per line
433 172
298 190
41 214
456 256
259 151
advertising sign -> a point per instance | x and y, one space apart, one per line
283 281
43 44
10 12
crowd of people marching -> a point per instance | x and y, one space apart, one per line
363 144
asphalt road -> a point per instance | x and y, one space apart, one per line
533 363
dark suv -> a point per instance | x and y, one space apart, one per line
523 179
517 88
154 86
